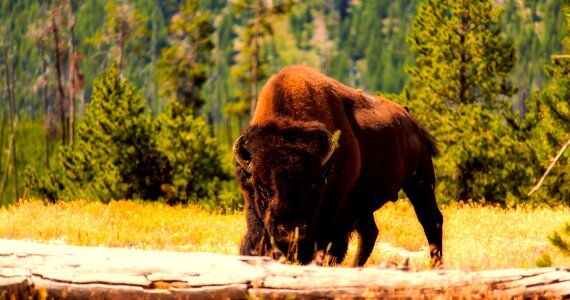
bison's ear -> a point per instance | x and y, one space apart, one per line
241 155
330 146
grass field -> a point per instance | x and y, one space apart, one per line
475 237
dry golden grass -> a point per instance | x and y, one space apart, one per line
475 237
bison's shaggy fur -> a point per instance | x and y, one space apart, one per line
304 194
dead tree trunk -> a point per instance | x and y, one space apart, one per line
55 271
9 76
255 54
72 77
45 102
58 67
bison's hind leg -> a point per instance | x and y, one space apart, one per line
367 234
420 189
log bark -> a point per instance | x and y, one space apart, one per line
72 272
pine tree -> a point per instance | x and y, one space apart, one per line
115 157
249 70
124 32
183 66
458 89
122 153
553 113
461 56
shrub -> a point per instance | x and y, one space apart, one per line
195 167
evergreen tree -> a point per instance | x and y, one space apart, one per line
249 70
124 31
194 158
458 88
122 153
461 56
115 156
183 66
553 131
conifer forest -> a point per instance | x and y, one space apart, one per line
142 99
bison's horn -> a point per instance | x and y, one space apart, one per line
238 148
331 148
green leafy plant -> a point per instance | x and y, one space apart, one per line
561 240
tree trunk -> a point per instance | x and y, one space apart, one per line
45 103
2 130
121 44
72 81
55 271
9 76
7 170
255 55
59 78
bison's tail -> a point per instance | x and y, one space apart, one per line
431 141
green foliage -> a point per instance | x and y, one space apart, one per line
124 32
257 31
194 158
114 157
552 113
461 56
31 152
561 243
360 43
553 131
183 66
534 43
544 261
121 153
457 90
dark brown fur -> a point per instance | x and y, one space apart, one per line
381 150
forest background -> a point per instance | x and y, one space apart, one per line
143 99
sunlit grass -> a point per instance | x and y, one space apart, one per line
151 226
475 237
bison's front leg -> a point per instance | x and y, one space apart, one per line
254 242
334 246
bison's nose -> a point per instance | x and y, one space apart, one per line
292 232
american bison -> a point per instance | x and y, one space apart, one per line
306 189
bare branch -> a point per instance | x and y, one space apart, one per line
537 186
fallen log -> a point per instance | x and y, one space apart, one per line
29 269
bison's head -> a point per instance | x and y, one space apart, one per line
282 166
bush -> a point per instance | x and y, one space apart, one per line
193 157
